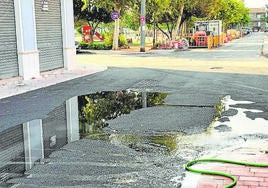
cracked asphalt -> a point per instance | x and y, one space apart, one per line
195 81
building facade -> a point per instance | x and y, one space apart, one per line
257 18
36 36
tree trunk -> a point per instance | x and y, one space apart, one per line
116 35
176 29
92 32
116 28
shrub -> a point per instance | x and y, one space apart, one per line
83 45
122 40
108 38
99 46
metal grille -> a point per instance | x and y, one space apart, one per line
11 153
55 130
145 85
49 35
8 48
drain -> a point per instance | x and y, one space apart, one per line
215 68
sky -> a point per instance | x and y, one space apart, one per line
255 3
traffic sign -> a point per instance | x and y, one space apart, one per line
115 15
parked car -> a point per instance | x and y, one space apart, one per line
77 46
256 29
246 30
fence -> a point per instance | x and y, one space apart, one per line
203 41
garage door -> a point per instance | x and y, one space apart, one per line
11 153
55 130
49 35
8 48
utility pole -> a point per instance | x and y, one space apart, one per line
143 25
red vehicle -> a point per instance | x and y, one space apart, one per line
201 38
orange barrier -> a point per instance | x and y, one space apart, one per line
203 41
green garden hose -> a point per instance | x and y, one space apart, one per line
189 164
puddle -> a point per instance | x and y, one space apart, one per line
240 132
117 104
85 116
240 124
78 117
165 144
96 109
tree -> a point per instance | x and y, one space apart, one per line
169 18
83 9
229 11
95 109
120 6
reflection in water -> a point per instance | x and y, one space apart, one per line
96 109
30 142
23 145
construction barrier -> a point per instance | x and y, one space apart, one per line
202 41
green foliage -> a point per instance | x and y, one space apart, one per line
123 40
219 108
79 23
95 109
99 46
154 99
108 38
83 45
79 29
95 46
92 13
131 19
170 141
229 11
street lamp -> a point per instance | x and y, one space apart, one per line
142 25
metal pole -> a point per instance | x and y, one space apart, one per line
142 24
144 99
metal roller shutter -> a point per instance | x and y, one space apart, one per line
11 153
49 35
8 48
55 130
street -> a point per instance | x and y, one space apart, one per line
195 80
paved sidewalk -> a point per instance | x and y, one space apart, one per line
248 177
15 86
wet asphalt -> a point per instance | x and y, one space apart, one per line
189 110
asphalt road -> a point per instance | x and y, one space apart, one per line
195 81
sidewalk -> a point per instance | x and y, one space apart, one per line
248 177
15 86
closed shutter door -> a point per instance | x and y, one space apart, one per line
8 48
11 153
49 35
55 130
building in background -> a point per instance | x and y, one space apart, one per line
257 18
36 36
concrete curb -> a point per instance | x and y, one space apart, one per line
15 86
